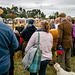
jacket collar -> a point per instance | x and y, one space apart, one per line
42 30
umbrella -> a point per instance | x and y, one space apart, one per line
31 18
18 18
23 18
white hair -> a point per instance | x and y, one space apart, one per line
52 20
69 18
63 18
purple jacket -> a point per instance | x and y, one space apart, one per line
73 37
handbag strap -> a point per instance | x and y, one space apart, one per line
38 39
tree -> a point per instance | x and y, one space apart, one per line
15 9
24 11
51 17
5 10
29 11
9 10
20 9
10 15
0 7
42 15
56 14
22 15
3 15
39 11
34 12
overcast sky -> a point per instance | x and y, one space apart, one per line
46 6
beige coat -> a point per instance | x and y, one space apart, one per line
65 31
46 43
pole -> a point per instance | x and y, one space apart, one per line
13 17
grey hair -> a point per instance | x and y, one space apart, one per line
57 19
52 20
69 18
63 18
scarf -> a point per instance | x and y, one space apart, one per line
42 30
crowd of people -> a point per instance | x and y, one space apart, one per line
59 33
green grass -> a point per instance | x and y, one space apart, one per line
19 69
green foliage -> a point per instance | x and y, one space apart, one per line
5 10
42 15
34 12
24 11
3 15
31 13
9 10
22 15
0 7
20 9
15 9
55 15
10 15
51 17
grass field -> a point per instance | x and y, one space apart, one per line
19 70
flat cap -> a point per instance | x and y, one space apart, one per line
62 15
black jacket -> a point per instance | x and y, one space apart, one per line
27 33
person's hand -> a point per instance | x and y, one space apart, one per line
16 32
59 46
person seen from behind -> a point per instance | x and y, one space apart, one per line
65 31
54 33
27 33
46 43
52 25
69 18
8 43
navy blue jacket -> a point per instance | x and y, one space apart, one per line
27 33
